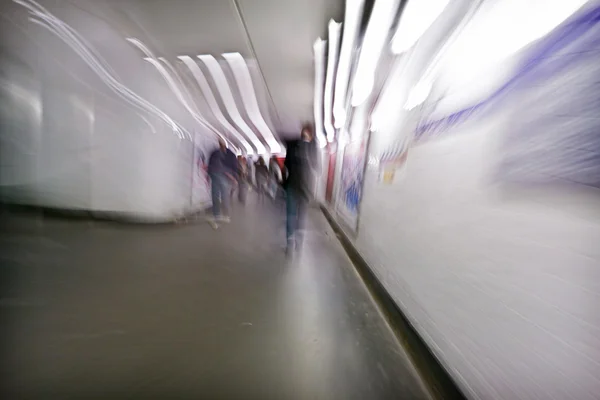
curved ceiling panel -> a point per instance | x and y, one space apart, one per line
44 18
225 90
186 101
244 82
212 101
378 28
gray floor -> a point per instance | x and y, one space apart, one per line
101 310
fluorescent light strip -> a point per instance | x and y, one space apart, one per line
418 94
243 142
212 101
352 16
244 81
416 18
41 11
319 50
69 36
223 86
178 93
173 86
334 39
378 28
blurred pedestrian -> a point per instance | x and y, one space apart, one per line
261 174
299 167
221 169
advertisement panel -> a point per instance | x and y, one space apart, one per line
351 182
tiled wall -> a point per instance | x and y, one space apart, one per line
503 282
501 276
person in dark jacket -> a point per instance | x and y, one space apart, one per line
274 177
300 163
222 166
261 174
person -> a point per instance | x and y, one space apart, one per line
300 161
221 169
275 173
261 173
242 179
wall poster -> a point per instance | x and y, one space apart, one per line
351 181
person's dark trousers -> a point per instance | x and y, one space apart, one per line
220 194
242 191
296 205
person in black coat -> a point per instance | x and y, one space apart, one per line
299 177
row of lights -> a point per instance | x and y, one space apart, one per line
338 96
486 43
41 16
249 141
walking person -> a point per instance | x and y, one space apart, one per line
261 173
300 163
221 169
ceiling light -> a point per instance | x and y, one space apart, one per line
352 16
95 62
319 50
212 101
418 94
334 39
225 90
374 40
416 17
244 81
173 86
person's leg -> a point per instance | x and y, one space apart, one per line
225 197
302 208
291 217
242 192
215 192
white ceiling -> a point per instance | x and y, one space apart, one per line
274 36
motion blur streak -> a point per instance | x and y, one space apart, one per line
319 50
65 32
244 82
405 203
224 88
332 58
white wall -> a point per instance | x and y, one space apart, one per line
500 277
503 283
69 141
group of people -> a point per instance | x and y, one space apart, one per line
229 173
267 178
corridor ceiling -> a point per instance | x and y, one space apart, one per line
275 37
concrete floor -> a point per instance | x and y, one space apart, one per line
102 310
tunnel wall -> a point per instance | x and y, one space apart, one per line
71 141
487 235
